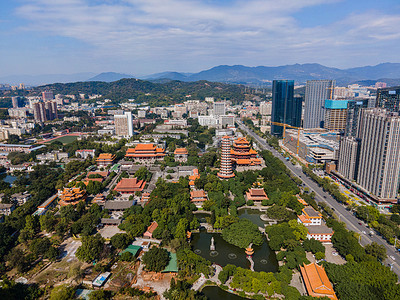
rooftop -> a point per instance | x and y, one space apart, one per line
152 227
316 281
107 156
319 229
311 212
198 194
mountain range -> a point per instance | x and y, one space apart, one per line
261 75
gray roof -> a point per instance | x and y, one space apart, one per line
111 221
315 229
118 205
311 211
6 205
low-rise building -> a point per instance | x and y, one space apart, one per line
84 153
149 232
181 154
198 197
256 195
6 208
320 233
95 176
71 196
145 153
310 216
99 199
129 186
118 205
20 198
105 159
316 281
195 175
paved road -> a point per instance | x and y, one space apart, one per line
345 216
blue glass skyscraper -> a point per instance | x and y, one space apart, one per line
285 107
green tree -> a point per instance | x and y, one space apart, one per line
242 234
120 240
300 231
143 174
91 248
62 292
156 259
100 295
181 228
376 250
94 187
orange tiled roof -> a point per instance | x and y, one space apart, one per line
304 219
152 227
198 194
257 192
130 185
145 147
241 140
106 156
180 151
316 281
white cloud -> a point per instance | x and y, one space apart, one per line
176 32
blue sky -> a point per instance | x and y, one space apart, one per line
141 37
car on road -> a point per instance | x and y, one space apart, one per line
363 232
324 196
359 223
392 257
334 253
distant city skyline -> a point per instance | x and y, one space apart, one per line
142 37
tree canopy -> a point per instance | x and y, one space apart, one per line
242 234
156 259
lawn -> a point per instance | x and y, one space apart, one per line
64 139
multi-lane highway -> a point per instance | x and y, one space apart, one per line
345 216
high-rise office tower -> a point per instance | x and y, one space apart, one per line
349 156
379 166
123 124
335 114
51 110
285 107
317 91
353 116
225 171
15 101
219 108
389 98
39 112
47 95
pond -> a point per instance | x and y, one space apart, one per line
10 179
201 217
264 258
252 215
216 293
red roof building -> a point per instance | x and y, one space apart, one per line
130 186
316 281
145 153
198 197
243 155
71 196
105 159
181 154
95 176
150 230
195 175
256 195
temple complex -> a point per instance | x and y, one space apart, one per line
71 196
130 186
145 153
243 155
